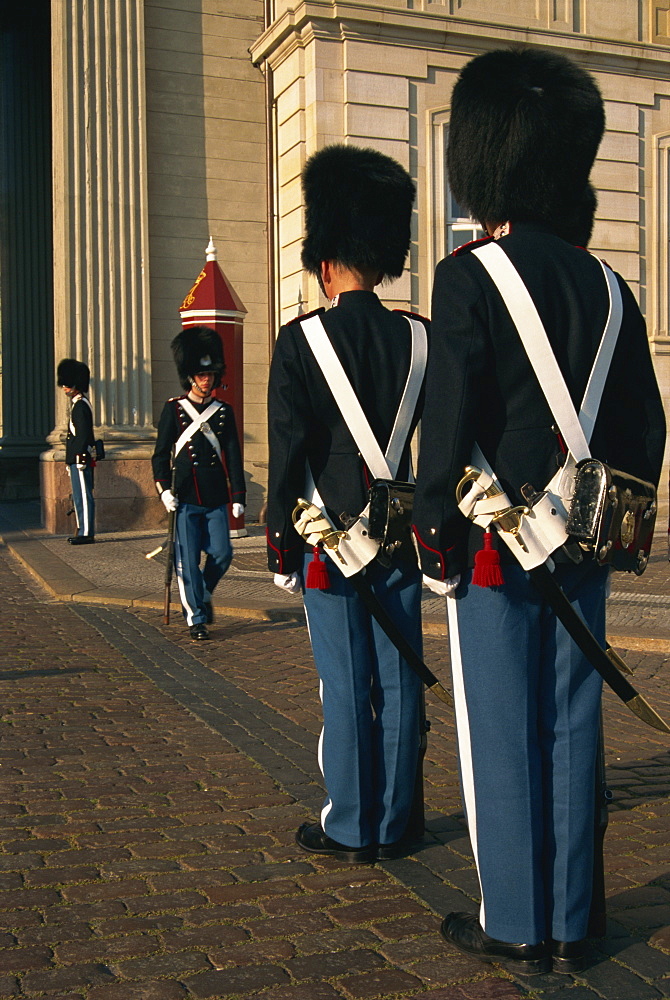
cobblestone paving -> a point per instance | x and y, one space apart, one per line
151 788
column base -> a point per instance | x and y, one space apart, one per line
19 478
124 491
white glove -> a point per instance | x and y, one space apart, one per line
442 587
81 466
170 501
238 509
290 583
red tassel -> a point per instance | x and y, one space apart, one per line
317 573
487 572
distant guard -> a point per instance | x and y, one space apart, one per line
197 466
74 378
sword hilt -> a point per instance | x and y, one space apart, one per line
509 518
316 524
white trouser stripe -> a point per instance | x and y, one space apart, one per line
329 805
463 733
84 502
320 748
180 584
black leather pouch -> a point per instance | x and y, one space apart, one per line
390 516
612 516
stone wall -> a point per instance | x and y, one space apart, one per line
206 177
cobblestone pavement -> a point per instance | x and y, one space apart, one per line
151 788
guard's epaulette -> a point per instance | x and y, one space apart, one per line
301 316
408 312
472 245
175 399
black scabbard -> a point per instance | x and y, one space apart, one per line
383 618
599 659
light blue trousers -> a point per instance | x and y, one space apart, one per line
371 700
81 484
528 713
197 530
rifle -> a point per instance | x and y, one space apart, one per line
169 547
169 566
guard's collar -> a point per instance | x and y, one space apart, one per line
353 298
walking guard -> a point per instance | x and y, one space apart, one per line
197 456
524 131
74 378
337 381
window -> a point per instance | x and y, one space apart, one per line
449 226
460 228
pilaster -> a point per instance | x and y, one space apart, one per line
101 302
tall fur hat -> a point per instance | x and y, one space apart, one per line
358 210
74 374
575 224
198 349
524 132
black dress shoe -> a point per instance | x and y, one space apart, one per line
209 612
568 956
310 837
464 931
198 631
398 849
81 540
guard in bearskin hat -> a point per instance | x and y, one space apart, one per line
197 466
524 132
358 210
74 377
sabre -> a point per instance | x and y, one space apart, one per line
608 663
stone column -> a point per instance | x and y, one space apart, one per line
101 279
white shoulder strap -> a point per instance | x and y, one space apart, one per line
381 466
198 423
576 431
80 399
410 396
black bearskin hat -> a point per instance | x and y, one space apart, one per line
358 210
74 374
524 132
198 349
575 224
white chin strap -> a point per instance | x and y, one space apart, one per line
196 387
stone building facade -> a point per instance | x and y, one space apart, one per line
165 122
